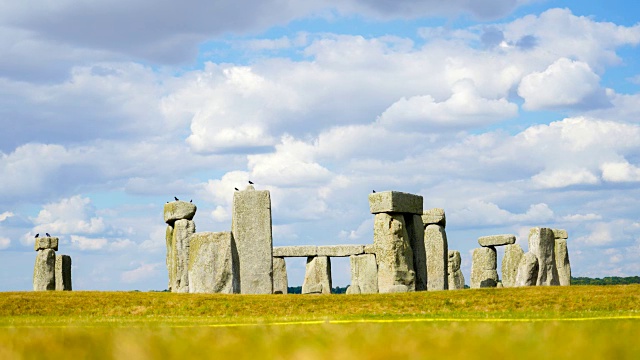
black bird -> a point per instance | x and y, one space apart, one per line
37 235
191 200
250 182
167 202
176 198
48 235
374 191
236 189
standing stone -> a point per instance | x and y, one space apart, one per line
170 262
213 263
455 276
364 274
251 227
483 267
63 272
415 230
542 245
527 274
280 281
317 276
512 255
435 243
182 230
393 253
562 262
44 271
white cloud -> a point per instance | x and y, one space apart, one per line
483 213
565 177
5 215
581 217
87 243
4 243
69 216
620 172
142 272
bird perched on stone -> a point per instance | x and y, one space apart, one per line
250 182
176 198
191 200
37 235
236 189
374 191
48 235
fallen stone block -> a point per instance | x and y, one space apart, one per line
213 263
527 274
415 230
295 251
44 271
434 216
47 242
454 274
562 262
251 225
497 240
317 276
280 281
393 252
483 267
542 245
437 249
364 274
179 210
63 273
182 231
560 234
340 250
510 262
395 202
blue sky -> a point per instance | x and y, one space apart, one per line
508 114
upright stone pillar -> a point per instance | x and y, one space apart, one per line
213 263
542 245
63 272
437 249
44 275
280 280
527 274
394 231
170 259
562 257
364 274
455 276
178 215
416 232
483 267
317 276
512 255
251 227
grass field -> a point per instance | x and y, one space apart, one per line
564 322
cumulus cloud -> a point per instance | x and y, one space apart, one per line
142 272
69 216
482 213
87 243
5 215
620 172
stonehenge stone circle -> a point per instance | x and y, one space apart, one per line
251 226
280 281
317 277
364 274
510 262
497 240
542 245
213 263
182 231
44 271
527 274
483 267
562 257
63 273
393 253
435 241
455 276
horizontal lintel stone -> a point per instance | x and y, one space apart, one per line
295 251
340 250
395 202
48 242
434 216
560 234
178 210
497 240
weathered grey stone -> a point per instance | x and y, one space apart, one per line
512 255
46 242
483 267
415 229
179 210
213 263
434 216
455 276
370 249
395 202
63 272
560 234
364 274
170 258
317 276
251 227
340 250
182 231
562 262
353 289
393 252
435 243
527 274
44 271
280 281
295 251
497 240
542 245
